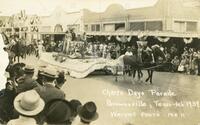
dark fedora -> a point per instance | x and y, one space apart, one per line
57 111
88 112
75 104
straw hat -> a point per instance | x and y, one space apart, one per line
29 69
49 72
29 103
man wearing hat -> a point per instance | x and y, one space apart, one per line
58 111
48 91
28 105
23 81
87 113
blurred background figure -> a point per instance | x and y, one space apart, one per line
4 62
175 63
129 52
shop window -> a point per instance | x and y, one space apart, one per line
179 26
191 26
120 26
137 26
154 26
95 27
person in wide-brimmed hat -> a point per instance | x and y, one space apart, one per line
58 111
48 91
88 113
48 72
28 105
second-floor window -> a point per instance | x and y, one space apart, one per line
191 26
146 25
95 27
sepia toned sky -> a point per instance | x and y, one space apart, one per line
45 7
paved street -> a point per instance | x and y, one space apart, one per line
124 103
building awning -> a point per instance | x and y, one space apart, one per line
52 33
147 33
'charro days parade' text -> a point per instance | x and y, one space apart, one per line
138 94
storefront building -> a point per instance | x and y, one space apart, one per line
166 18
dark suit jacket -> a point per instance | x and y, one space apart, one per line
26 85
6 105
48 92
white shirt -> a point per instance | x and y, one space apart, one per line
104 48
12 42
101 47
128 53
3 63
81 123
22 121
40 48
77 121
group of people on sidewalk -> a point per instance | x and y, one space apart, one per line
32 100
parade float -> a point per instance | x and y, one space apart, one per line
77 68
76 64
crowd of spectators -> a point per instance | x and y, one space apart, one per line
187 62
33 96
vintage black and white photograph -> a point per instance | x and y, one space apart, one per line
100 62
